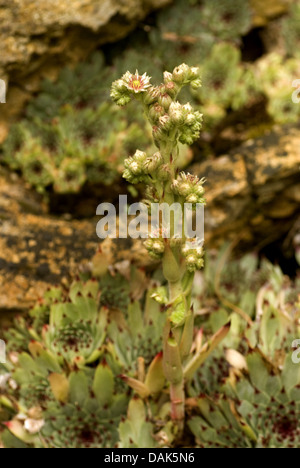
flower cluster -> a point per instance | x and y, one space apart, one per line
139 166
184 75
134 167
123 89
189 187
166 115
155 247
193 257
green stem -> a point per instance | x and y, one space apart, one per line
179 285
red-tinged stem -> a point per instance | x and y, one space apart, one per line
178 404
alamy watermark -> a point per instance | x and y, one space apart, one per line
2 92
155 220
296 353
296 93
2 352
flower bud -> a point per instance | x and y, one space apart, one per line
191 119
134 167
127 175
189 187
165 122
187 138
172 89
140 156
175 242
182 189
119 86
181 73
165 101
191 261
187 107
193 256
158 246
151 95
199 251
151 164
158 135
156 111
196 84
176 113
194 73
155 247
192 198
119 93
193 124
167 77
123 101
199 190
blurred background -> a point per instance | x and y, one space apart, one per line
63 142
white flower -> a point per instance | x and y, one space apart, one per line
136 83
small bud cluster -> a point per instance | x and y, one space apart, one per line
193 257
139 167
189 187
170 117
134 167
184 75
155 247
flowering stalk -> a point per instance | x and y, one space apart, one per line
171 123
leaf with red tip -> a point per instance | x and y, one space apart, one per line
155 378
139 387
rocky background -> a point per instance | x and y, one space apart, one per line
38 38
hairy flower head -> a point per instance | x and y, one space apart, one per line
136 83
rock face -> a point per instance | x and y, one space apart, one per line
38 37
268 9
255 190
36 250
